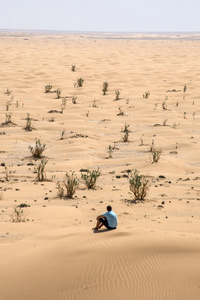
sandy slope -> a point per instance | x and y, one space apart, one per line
154 254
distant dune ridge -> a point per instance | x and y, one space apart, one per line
154 253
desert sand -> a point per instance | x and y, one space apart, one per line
155 252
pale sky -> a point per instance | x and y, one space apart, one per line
101 15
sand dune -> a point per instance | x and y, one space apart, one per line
154 253
125 264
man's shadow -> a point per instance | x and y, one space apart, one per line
102 230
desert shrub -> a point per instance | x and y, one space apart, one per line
165 122
58 93
8 105
68 187
8 118
90 178
164 106
38 149
48 88
105 87
63 105
73 68
117 94
80 82
139 185
110 151
125 137
152 146
121 112
74 99
62 134
8 92
156 155
94 103
126 126
18 215
7 173
28 126
146 95
41 174
184 88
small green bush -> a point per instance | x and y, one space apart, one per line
80 82
117 94
105 87
41 174
38 149
58 93
139 185
18 215
146 95
28 126
70 184
73 68
156 155
125 137
48 88
90 178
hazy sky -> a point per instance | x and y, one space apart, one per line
101 15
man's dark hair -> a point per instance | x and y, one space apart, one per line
109 208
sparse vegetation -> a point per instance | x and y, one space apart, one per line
184 88
105 87
165 122
146 95
8 119
126 126
40 170
110 151
94 103
8 105
38 149
80 82
62 134
48 88
58 92
90 178
184 115
164 106
121 112
8 92
7 173
117 94
73 68
28 126
156 155
68 187
125 137
74 99
139 185
18 214
151 146
63 105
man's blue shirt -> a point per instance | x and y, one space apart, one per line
111 218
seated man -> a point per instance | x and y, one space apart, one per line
109 220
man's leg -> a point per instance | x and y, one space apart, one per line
101 222
98 225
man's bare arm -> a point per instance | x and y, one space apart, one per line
99 217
